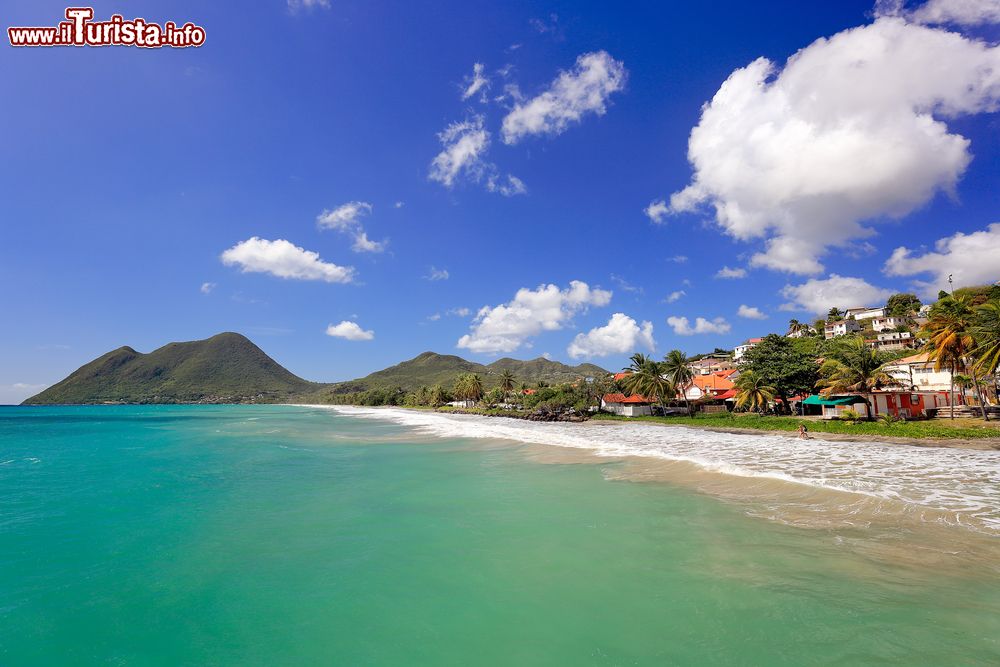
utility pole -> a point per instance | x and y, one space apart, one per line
951 289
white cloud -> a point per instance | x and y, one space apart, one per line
475 83
619 336
435 317
363 244
460 312
464 145
625 285
399 204
956 12
206 288
434 274
657 210
463 156
679 259
506 327
819 296
583 90
285 260
971 259
852 129
682 327
345 217
726 272
296 5
675 295
751 312
349 331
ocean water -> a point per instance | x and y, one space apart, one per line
274 535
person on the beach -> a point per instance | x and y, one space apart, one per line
803 432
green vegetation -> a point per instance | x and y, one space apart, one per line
966 429
226 368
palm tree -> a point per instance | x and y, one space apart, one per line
794 326
986 333
753 392
834 314
675 367
469 387
949 331
853 367
506 383
646 378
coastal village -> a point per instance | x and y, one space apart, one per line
913 378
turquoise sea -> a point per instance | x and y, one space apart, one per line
285 535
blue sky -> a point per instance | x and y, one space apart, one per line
862 168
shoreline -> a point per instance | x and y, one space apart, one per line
977 444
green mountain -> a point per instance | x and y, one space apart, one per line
226 368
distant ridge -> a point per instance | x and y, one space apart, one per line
430 368
229 368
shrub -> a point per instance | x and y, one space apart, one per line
850 415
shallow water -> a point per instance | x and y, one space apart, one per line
262 535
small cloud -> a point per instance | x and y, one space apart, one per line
678 259
435 317
206 288
620 335
675 295
726 272
460 312
476 83
657 211
344 217
349 331
296 5
625 285
549 26
363 244
283 259
751 313
682 327
399 204
435 274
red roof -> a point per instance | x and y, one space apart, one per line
619 376
731 393
622 398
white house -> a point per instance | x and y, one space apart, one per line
917 372
865 313
800 333
893 340
626 406
887 322
840 328
740 350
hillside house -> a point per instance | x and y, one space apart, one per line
840 328
888 323
892 341
748 345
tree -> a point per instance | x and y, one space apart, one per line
469 387
834 314
903 304
853 367
506 383
794 326
438 396
752 392
645 377
678 373
782 365
986 334
950 341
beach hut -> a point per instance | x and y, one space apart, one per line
833 406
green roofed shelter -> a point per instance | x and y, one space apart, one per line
834 400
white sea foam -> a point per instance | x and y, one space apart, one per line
961 482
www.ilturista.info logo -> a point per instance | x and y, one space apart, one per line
80 30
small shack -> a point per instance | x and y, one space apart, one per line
833 406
